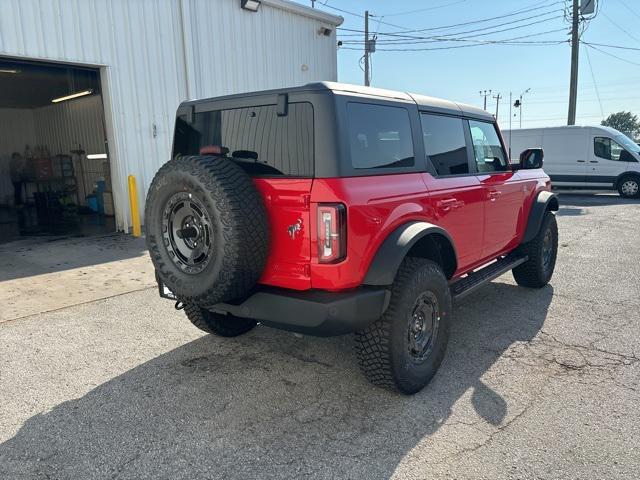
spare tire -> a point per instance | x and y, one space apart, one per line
206 229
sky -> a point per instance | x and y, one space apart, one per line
605 84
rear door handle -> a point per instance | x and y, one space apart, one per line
493 194
581 161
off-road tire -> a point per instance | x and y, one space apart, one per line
238 223
382 348
216 323
535 273
629 184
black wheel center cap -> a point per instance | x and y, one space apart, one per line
188 232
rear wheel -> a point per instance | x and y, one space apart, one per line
629 187
404 348
542 251
216 323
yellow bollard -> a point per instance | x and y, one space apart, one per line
133 204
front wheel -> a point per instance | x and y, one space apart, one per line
216 323
542 251
404 348
629 187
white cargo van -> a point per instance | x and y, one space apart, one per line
583 157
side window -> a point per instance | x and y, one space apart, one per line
606 148
444 144
379 136
487 148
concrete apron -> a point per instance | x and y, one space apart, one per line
41 275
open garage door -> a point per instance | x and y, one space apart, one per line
55 175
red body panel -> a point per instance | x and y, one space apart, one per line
287 204
486 216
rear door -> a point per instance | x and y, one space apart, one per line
503 189
277 151
287 202
455 192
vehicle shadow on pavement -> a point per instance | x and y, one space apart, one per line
271 405
29 257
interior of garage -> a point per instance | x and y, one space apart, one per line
55 176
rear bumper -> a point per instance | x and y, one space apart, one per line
312 312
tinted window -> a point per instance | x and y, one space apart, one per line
379 136
261 141
609 149
445 144
487 148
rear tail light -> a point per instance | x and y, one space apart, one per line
332 232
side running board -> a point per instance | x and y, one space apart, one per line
477 278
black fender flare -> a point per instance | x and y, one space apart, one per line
394 249
543 202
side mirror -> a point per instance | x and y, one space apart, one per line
530 159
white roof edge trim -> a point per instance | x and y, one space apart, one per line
305 11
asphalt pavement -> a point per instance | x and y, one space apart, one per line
537 384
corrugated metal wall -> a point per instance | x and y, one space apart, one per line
65 126
17 130
140 45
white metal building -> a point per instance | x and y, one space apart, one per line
144 57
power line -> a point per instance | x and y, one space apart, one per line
473 22
473 43
423 9
610 54
583 100
629 8
326 4
620 28
447 27
448 37
342 11
595 84
611 46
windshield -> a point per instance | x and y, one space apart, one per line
627 143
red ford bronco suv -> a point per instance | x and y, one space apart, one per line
330 209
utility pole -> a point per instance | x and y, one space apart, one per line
366 48
485 94
518 103
573 84
520 111
497 97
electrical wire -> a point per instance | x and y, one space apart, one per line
629 8
326 4
610 54
506 41
595 84
446 37
611 46
423 9
473 22
620 28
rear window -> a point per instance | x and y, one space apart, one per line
445 144
262 142
379 136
